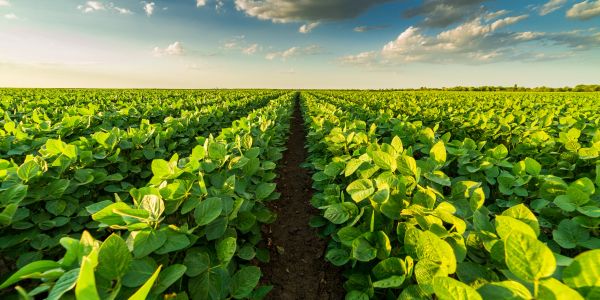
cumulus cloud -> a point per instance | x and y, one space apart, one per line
584 10
11 16
368 28
149 8
284 11
175 49
476 41
200 3
251 49
442 13
306 28
4 3
294 52
91 6
123 11
551 6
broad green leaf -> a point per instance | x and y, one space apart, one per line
244 281
446 288
584 274
196 262
360 189
569 234
427 245
338 257
384 160
212 284
264 190
217 151
168 277
143 291
86 282
532 167
34 267
226 249
147 241
438 153
139 271
64 284
506 225
504 290
113 258
553 289
208 210
523 214
528 258
390 282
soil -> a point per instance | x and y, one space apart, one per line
297 269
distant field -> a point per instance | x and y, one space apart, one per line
151 194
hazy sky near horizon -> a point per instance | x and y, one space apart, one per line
298 43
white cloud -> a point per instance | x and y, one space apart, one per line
11 16
551 6
5 3
584 10
368 28
91 6
149 8
294 52
306 28
443 13
175 49
200 3
475 42
123 11
251 49
284 11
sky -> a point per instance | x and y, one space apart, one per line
298 43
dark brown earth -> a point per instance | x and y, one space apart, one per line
297 269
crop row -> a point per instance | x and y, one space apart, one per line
413 213
191 230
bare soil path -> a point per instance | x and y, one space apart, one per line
297 269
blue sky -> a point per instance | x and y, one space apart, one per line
298 44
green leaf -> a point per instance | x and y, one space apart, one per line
86 282
226 249
528 258
143 291
65 283
384 160
363 250
338 257
264 190
427 245
532 167
217 151
244 281
208 210
175 241
139 271
360 189
390 282
523 214
407 165
113 258
196 262
340 212
447 288
438 153
499 152
34 267
212 284
506 225
167 277
553 289
569 234
504 290
29 170
583 274
147 241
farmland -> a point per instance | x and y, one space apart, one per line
219 194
